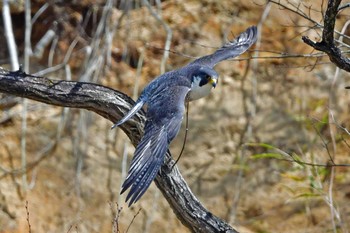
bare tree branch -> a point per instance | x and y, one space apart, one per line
327 44
10 38
344 6
112 105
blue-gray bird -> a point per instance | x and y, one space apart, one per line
165 97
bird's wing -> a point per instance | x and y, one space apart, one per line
164 117
231 49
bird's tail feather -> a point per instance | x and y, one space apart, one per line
130 114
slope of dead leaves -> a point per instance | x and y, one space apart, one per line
274 108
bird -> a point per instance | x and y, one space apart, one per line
165 98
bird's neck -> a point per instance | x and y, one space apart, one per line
197 91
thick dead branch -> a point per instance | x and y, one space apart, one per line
113 105
327 44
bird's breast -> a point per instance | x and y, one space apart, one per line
198 92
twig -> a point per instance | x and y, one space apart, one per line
297 11
47 38
28 222
280 55
340 8
52 51
27 53
132 220
116 217
41 10
185 138
10 39
27 36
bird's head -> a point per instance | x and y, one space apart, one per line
203 80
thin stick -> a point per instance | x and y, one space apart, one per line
27 53
28 222
132 220
185 138
10 38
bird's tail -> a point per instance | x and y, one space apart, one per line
130 114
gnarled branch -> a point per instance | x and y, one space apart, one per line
113 105
327 44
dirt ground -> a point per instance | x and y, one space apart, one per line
287 103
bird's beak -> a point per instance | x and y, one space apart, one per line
213 82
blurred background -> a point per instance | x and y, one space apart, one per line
278 109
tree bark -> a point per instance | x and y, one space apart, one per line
112 105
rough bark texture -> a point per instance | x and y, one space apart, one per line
327 44
113 105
